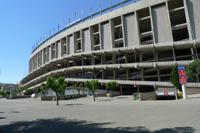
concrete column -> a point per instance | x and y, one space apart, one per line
126 58
114 58
67 46
92 60
100 37
158 74
135 55
41 57
112 34
169 19
137 27
152 26
59 49
82 42
174 54
121 91
191 34
114 74
123 32
102 59
91 38
50 53
74 45
193 53
142 73
127 74
141 56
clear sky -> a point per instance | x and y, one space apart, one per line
23 22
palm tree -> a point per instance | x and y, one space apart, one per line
92 85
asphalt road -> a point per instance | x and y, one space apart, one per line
116 115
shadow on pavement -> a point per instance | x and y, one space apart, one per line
15 112
74 104
73 126
2 118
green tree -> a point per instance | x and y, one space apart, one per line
75 86
175 77
111 85
92 85
61 85
193 70
2 93
57 85
43 89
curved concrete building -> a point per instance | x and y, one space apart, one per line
135 45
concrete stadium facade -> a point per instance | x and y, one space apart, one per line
135 45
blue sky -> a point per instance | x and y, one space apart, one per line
23 22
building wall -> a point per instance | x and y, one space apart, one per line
193 9
134 26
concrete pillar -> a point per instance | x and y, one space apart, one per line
127 74
50 53
123 32
138 29
191 34
100 37
112 34
114 74
142 73
169 18
92 60
91 38
82 42
158 74
121 91
152 26
114 58
174 54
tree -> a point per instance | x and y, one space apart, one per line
43 89
81 87
175 77
57 85
61 85
111 85
193 70
92 85
75 86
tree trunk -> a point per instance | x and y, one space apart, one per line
57 99
94 96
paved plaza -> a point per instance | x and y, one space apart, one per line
106 115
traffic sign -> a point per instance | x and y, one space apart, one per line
182 75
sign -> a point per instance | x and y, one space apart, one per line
182 75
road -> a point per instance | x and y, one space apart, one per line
106 115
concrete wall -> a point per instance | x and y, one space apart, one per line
161 24
194 10
71 44
86 40
131 30
106 36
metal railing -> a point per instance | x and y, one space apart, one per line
99 13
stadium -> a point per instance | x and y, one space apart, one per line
134 43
